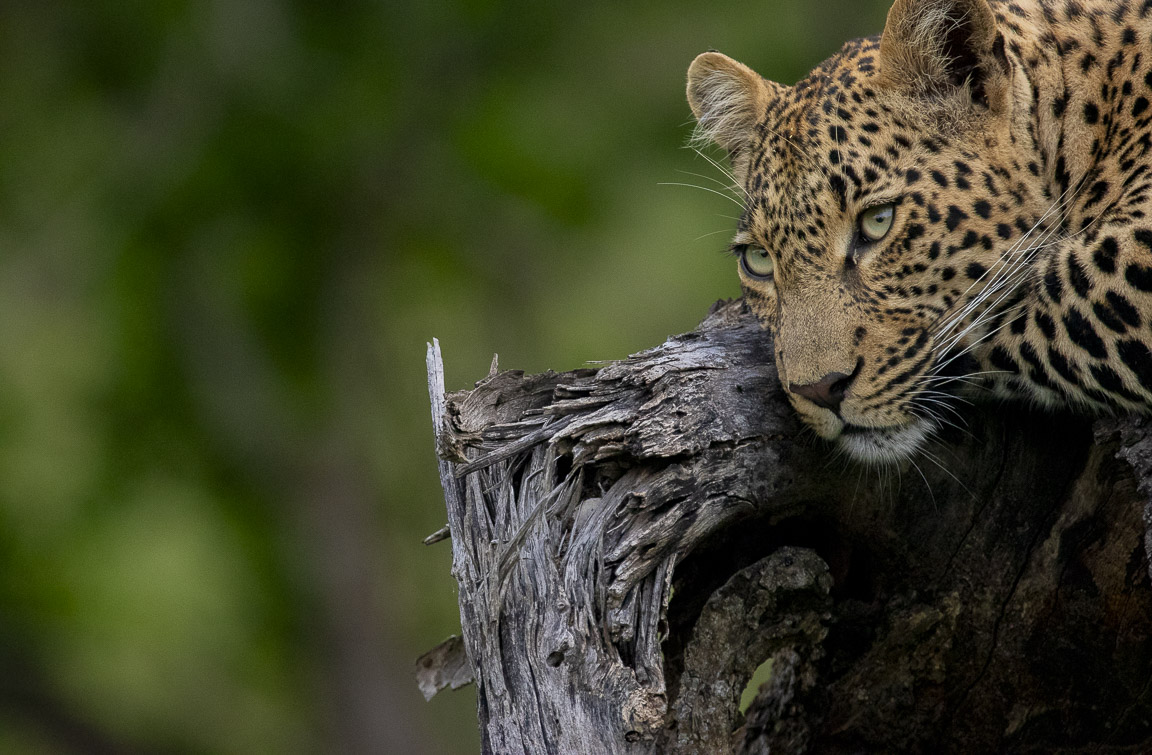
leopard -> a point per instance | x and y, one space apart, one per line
957 207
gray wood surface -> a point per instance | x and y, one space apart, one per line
631 542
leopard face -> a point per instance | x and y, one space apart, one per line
902 205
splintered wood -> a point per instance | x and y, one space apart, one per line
632 542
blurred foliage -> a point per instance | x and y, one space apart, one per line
228 229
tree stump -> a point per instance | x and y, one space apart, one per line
632 542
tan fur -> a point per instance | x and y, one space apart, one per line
727 99
1011 138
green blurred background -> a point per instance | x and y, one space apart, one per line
228 229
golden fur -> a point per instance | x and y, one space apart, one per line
1012 139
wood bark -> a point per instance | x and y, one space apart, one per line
631 542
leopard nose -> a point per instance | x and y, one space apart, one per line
827 392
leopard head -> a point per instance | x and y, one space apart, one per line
880 204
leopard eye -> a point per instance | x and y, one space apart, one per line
757 262
875 222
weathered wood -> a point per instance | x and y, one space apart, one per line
445 666
631 542
771 607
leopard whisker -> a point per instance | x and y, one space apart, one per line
1007 265
935 506
928 403
714 233
722 184
723 171
932 458
731 199
1024 262
966 378
1000 281
978 341
992 307
1002 292
939 398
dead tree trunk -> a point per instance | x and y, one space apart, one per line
631 542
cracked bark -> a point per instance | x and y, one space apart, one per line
632 542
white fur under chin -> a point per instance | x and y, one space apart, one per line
886 444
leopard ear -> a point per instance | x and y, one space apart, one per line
935 48
727 98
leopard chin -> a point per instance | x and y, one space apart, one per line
884 444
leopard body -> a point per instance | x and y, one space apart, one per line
1011 141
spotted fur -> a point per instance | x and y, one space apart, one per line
1012 138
